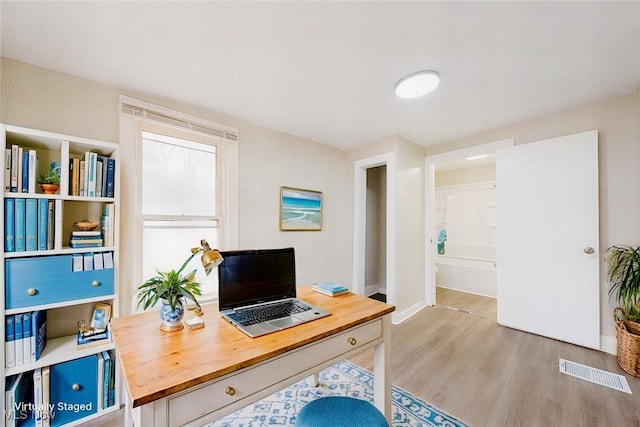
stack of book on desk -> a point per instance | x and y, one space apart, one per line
329 288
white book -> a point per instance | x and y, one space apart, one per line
45 397
20 153
98 262
100 379
10 343
33 171
26 338
14 167
37 397
19 353
7 169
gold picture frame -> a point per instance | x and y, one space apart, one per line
300 209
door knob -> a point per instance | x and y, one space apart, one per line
589 250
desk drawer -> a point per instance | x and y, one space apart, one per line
49 279
210 398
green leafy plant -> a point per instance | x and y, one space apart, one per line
52 176
170 286
623 273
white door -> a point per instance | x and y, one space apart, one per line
547 238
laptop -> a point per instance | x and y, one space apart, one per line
257 291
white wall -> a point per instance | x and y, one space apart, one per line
43 99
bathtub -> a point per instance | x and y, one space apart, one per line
468 268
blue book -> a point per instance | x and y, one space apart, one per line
17 320
105 163
92 163
19 224
105 379
111 176
26 338
9 225
31 224
38 333
43 220
10 342
25 172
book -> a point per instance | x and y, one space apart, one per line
106 379
75 183
31 224
329 288
26 338
43 223
105 163
25 171
77 262
86 233
14 168
111 176
99 176
93 157
16 398
50 224
100 381
19 353
9 225
47 415
38 333
19 225
77 245
93 341
108 221
81 179
20 169
10 343
7 169
33 172
37 397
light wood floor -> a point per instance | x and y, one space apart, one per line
477 305
489 375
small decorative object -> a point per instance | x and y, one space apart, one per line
300 210
172 289
623 273
85 225
50 182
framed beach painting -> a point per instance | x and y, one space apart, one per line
300 210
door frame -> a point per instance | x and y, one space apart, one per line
360 222
429 200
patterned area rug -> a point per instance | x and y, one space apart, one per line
342 379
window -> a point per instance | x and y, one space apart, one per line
180 179
181 184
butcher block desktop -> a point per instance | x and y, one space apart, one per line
190 377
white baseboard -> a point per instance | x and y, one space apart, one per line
399 317
608 344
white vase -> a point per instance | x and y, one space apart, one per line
171 320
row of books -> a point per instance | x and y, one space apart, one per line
92 261
28 224
20 171
92 175
85 239
28 397
107 223
25 337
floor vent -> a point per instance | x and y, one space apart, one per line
598 376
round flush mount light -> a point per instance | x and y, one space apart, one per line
417 84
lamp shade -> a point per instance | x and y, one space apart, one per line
211 259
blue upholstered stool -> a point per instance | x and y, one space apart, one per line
339 411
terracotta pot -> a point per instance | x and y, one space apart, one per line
49 188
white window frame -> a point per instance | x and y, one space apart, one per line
138 116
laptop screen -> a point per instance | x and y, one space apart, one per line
254 276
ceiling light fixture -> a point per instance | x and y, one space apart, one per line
478 157
417 84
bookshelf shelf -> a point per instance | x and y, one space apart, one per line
47 277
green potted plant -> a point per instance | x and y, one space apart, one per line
172 289
50 182
623 273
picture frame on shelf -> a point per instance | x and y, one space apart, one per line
300 209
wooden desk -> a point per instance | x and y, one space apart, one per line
191 377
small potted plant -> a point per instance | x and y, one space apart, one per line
50 182
172 289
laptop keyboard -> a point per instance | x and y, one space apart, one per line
253 315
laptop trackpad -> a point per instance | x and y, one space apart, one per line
285 322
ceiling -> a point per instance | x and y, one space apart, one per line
325 71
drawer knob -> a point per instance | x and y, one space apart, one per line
75 387
95 283
352 340
230 391
31 291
